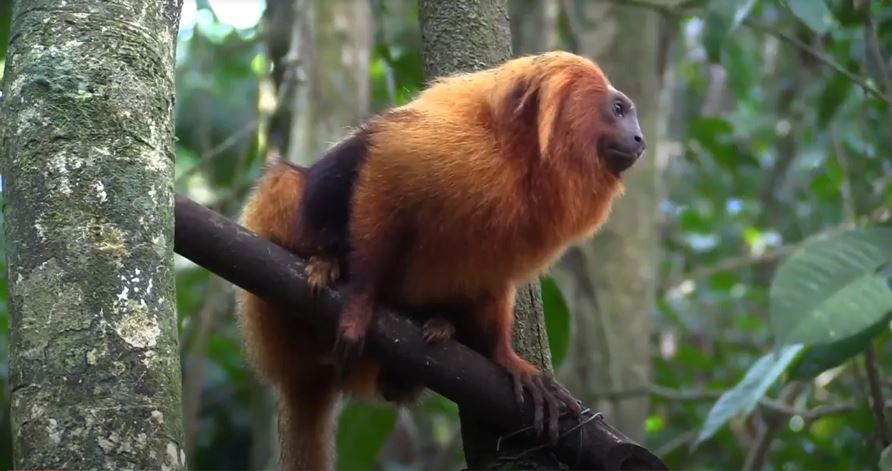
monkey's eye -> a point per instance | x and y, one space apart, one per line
618 109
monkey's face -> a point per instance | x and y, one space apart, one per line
621 142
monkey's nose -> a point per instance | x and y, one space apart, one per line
641 144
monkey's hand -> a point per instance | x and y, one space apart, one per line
321 272
546 392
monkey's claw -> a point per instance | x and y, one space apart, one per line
346 351
436 329
321 273
548 395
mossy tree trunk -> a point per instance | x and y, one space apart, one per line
87 159
610 282
461 36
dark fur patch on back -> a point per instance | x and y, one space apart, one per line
325 210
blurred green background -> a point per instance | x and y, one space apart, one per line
775 128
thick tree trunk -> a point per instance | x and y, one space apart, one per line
87 159
610 282
461 36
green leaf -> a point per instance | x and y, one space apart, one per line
829 289
814 13
744 397
557 321
819 358
362 430
721 19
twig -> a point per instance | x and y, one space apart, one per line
774 420
740 261
218 150
876 394
678 442
732 263
762 28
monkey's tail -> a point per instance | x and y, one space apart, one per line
307 405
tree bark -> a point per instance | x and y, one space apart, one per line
87 158
610 283
463 36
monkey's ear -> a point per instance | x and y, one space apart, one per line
525 99
519 102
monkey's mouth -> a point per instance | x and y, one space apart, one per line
620 160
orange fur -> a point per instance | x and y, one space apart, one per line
282 349
477 185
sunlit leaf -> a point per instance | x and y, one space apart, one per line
743 398
830 289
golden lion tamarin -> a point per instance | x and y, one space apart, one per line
444 204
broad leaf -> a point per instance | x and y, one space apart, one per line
819 358
743 398
814 13
830 289
557 321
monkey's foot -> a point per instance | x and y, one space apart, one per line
321 272
437 329
548 395
355 322
349 343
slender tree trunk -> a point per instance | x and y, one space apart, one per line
461 36
334 41
610 283
534 25
87 160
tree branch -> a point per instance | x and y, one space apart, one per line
451 369
876 394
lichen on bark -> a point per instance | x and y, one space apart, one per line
87 156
